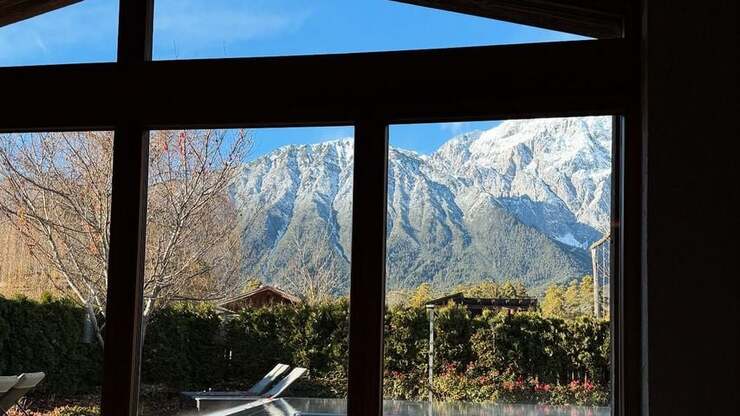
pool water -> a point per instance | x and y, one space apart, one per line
337 407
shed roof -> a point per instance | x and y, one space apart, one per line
259 291
460 299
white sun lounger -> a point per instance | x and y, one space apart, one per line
237 409
24 383
273 393
7 382
279 407
262 385
257 389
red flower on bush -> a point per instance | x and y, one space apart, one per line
542 387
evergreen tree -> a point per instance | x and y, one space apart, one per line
520 289
485 289
507 290
553 303
571 300
586 296
421 295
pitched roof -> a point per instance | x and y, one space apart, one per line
460 299
262 289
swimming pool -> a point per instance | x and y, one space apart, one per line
336 407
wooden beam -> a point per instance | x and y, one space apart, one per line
597 19
565 78
12 11
367 291
124 320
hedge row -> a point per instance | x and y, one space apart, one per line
191 347
46 336
509 358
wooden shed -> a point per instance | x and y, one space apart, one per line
262 296
477 305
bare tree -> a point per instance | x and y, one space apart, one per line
313 271
55 188
19 271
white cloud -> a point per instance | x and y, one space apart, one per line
87 31
207 28
454 127
40 42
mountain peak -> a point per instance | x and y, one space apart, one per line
477 208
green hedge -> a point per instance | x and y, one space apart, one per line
190 348
510 358
46 336
488 357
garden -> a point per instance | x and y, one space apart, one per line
501 358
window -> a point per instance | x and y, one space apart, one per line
247 264
490 277
55 191
174 124
224 28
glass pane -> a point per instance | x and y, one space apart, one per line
55 193
490 267
82 32
218 29
247 267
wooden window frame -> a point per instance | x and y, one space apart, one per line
369 91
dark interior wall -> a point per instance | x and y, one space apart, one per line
691 125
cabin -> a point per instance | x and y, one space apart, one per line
262 296
476 306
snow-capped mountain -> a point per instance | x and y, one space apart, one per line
553 174
520 201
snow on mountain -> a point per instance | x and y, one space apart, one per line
553 174
522 200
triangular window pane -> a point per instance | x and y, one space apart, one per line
217 29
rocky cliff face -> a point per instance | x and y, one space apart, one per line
520 201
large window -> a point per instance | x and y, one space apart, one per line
55 199
247 264
328 233
491 294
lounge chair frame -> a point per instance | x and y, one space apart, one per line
15 396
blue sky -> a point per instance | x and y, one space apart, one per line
183 29
423 138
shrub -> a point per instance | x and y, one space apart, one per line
455 386
583 393
516 358
47 336
76 411
183 347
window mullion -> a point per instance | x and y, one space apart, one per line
128 216
367 293
125 272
